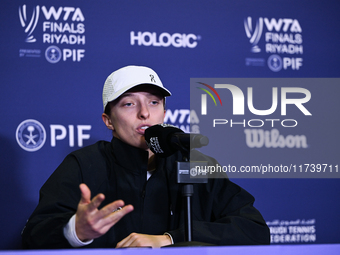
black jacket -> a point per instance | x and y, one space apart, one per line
223 213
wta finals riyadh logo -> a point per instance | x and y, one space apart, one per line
30 135
29 25
204 97
254 35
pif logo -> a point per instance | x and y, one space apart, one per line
31 134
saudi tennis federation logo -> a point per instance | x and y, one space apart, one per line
30 135
53 54
204 97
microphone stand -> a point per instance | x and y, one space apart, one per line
188 175
187 193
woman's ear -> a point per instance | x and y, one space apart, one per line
107 121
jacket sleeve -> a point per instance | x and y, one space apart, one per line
223 214
58 201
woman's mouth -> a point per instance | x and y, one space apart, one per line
141 129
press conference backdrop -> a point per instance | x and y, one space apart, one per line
56 55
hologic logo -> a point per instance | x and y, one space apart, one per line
164 39
30 135
204 97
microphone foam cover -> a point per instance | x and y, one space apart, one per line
158 138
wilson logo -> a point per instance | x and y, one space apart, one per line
258 138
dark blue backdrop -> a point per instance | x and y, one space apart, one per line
56 55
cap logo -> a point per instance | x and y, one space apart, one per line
152 78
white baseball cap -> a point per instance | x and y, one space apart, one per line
128 77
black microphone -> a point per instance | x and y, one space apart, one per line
165 140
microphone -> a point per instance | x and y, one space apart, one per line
165 140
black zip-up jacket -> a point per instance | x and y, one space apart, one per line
222 212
